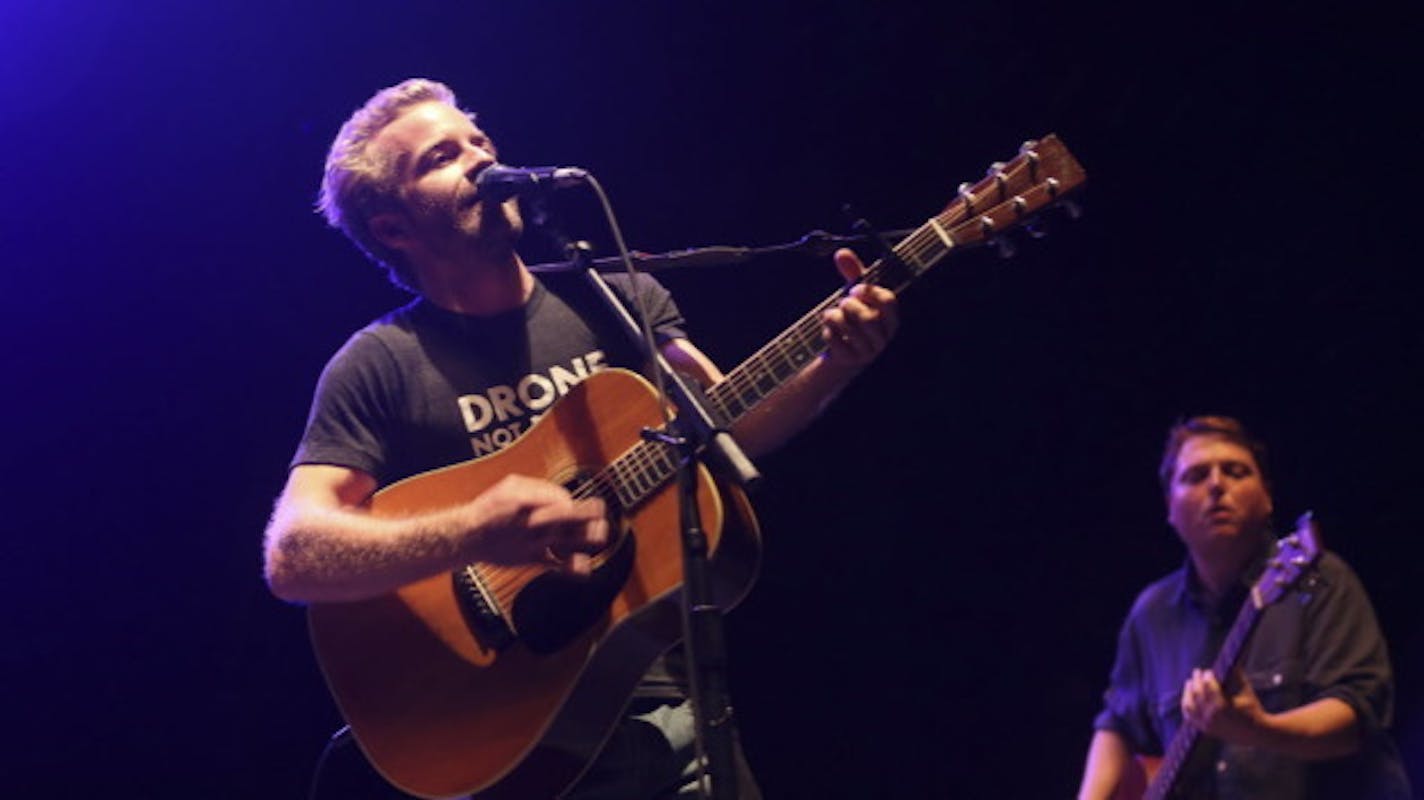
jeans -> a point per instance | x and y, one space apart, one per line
653 756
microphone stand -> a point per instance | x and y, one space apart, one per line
695 431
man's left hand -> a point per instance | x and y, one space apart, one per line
858 328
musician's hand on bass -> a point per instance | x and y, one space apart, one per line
1206 706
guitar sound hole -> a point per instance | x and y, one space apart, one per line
555 608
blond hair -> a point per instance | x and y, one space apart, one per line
356 186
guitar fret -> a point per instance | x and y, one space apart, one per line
608 491
618 486
647 461
750 381
910 255
639 480
783 348
665 462
628 491
627 498
639 472
735 406
785 366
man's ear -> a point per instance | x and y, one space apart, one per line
390 230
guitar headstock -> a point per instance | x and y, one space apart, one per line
1043 173
1294 556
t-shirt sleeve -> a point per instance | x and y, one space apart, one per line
664 317
352 408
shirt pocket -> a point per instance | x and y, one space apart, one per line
1277 683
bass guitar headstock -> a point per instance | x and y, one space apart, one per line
1294 556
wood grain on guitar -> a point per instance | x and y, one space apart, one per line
504 682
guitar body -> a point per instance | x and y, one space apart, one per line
440 707
1134 782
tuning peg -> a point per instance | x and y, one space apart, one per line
1036 227
1001 181
1028 151
1073 210
968 197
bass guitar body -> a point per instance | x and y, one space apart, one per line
1134 783
504 681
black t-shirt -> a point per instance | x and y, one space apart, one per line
423 387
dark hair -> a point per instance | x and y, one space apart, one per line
1227 428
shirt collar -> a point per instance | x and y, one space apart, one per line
1191 591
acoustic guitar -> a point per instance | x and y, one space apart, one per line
504 682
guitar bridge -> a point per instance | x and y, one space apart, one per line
480 610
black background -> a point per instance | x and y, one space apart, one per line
950 548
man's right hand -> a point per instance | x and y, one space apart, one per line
523 520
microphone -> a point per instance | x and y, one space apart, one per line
498 182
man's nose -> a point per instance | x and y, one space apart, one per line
1216 480
476 158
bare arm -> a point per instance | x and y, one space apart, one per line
321 545
1110 765
856 331
1325 728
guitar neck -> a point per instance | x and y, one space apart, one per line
1042 172
1040 175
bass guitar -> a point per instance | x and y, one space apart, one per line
503 682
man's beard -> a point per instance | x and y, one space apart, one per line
485 230
497 230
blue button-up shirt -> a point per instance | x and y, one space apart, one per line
1321 639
